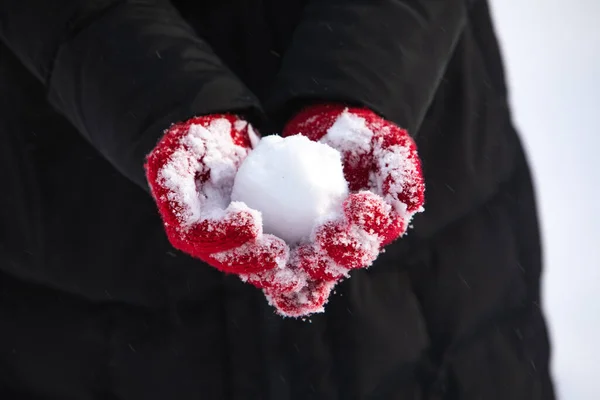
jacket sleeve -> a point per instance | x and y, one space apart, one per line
121 70
387 55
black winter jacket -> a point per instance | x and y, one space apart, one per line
95 304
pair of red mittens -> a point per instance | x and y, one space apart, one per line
191 174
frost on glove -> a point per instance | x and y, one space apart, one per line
191 173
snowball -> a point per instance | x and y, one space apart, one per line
294 182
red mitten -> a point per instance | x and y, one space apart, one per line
384 175
385 179
191 172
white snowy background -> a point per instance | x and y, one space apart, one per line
552 55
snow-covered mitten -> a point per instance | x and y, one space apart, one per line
191 173
384 175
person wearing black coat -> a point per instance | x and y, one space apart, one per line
95 302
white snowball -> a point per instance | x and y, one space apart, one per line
293 182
